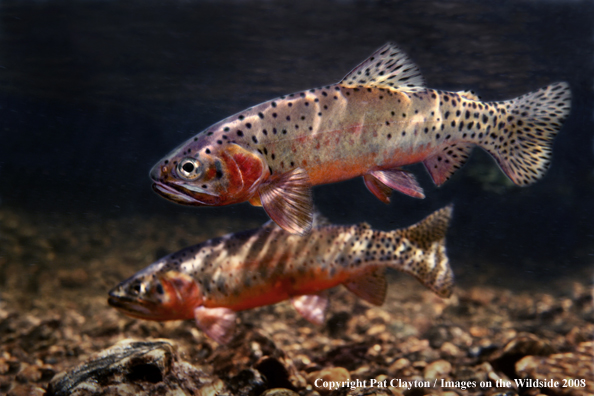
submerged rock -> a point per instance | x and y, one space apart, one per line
139 368
566 373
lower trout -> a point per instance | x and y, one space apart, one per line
379 118
211 281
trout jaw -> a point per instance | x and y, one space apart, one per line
172 194
134 308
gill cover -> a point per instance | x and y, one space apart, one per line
180 296
244 169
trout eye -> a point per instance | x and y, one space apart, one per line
189 169
137 288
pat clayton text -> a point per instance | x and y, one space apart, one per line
398 383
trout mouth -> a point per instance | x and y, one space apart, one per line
133 307
173 194
180 195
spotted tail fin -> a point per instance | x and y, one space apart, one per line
422 252
522 140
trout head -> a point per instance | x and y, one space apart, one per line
202 174
168 296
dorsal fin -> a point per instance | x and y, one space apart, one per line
388 67
469 95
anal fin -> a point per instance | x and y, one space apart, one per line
380 181
217 323
371 286
447 160
312 307
287 200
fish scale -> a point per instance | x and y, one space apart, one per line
379 118
212 280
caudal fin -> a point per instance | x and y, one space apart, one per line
422 252
522 140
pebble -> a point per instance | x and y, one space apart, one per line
437 369
419 364
479 332
26 390
399 364
375 350
9 366
376 329
449 350
278 392
362 371
575 365
481 295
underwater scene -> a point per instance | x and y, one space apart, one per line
245 198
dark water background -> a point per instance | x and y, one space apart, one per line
93 93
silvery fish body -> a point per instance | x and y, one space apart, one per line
379 118
212 280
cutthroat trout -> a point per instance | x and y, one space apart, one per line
379 118
211 281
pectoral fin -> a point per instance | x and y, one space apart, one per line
287 200
380 181
370 286
446 161
255 200
312 307
217 323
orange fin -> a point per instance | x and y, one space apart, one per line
447 160
370 286
377 188
397 179
288 202
217 323
312 307
255 200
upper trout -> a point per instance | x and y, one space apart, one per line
210 281
379 118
